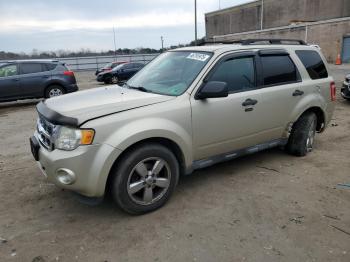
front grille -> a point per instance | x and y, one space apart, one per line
45 133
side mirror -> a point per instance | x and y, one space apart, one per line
213 89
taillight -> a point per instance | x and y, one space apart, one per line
333 91
68 73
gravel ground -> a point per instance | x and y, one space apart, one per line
264 207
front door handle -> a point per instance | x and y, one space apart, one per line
15 79
298 93
250 102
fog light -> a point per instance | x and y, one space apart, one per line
65 176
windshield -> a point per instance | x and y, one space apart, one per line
170 73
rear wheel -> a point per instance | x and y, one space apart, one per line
145 179
303 133
54 90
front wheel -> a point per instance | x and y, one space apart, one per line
302 137
145 179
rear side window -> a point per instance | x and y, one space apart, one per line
238 73
278 70
313 63
30 68
49 66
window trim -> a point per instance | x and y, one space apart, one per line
237 55
261 68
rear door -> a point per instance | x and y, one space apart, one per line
33 78
9 81
280 93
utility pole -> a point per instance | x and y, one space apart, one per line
195 22
115 46
219 4
162 41
262 15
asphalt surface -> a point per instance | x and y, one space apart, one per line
269 206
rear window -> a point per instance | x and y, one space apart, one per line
30 68
313 63
278 69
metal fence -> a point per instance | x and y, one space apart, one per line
94 62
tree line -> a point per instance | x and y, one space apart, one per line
36 54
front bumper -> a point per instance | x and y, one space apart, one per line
90 164
345 90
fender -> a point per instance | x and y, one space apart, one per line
307 102
142 129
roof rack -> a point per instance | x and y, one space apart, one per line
262 41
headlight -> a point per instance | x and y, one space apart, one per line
70 138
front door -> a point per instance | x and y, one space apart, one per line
222 125
9 82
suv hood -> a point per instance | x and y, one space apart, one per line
76 108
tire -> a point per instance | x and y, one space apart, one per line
114 80
54 90
135 187
302 136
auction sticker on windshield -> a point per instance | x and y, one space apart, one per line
198 56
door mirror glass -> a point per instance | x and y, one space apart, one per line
213 89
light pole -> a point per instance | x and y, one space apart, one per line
115 46
262 15
195 22
219 4
162 41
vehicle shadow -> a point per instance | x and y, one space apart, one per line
203 178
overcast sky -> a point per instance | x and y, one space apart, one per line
49 25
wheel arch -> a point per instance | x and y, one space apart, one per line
320 114
166 142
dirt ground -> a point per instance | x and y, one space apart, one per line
264 207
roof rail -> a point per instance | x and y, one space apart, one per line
260 41
272 41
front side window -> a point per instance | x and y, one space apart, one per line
30 68
238 73
8 70
171 73
278 70
313 63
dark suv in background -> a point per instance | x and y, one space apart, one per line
119 73
35 79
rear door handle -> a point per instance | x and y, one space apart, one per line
298 93
250 102
15 79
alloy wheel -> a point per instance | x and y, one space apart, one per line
149 180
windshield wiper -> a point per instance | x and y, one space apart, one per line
140 88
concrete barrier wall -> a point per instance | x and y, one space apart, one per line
329 36
277 13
